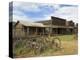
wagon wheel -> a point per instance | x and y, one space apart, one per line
36 45
56 42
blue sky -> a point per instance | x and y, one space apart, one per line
39 11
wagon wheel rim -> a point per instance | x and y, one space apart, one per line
59 41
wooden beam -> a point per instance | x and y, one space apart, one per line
27 30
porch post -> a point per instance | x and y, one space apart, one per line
36 30
62 30
56 30
43 31
27 30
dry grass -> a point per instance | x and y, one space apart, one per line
69 47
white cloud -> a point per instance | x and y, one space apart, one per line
27 6
18 15
17 12
69 12
16 18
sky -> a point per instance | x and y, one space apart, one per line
43 11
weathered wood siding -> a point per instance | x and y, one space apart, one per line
58 21
18 31
71 23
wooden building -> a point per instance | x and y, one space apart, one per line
24 29
54 26
59 25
